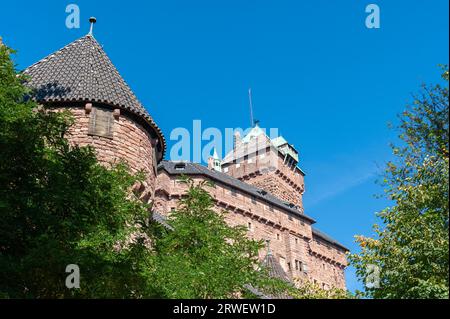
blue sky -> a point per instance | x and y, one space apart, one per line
317 73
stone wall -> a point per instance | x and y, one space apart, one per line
291 237
269 172
130 143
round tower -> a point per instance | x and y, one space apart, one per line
81 78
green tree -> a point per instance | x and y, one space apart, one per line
58 206
411 250
203 256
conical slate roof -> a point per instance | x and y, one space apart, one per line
82 72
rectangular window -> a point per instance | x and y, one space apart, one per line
101 122
155 161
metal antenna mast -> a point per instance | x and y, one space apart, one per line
251 107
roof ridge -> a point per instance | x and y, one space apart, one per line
77 77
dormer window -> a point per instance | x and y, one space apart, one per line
101 122
180 166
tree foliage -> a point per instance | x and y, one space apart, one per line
411 249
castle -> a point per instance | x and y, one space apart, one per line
258 183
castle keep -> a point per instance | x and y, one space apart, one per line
259 182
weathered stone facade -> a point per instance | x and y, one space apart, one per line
130 143
259 183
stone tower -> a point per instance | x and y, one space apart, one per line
81 78
214 162
270 164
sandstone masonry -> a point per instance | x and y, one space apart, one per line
259 183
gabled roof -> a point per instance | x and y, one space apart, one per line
197 169
82 72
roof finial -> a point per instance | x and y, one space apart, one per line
92 20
